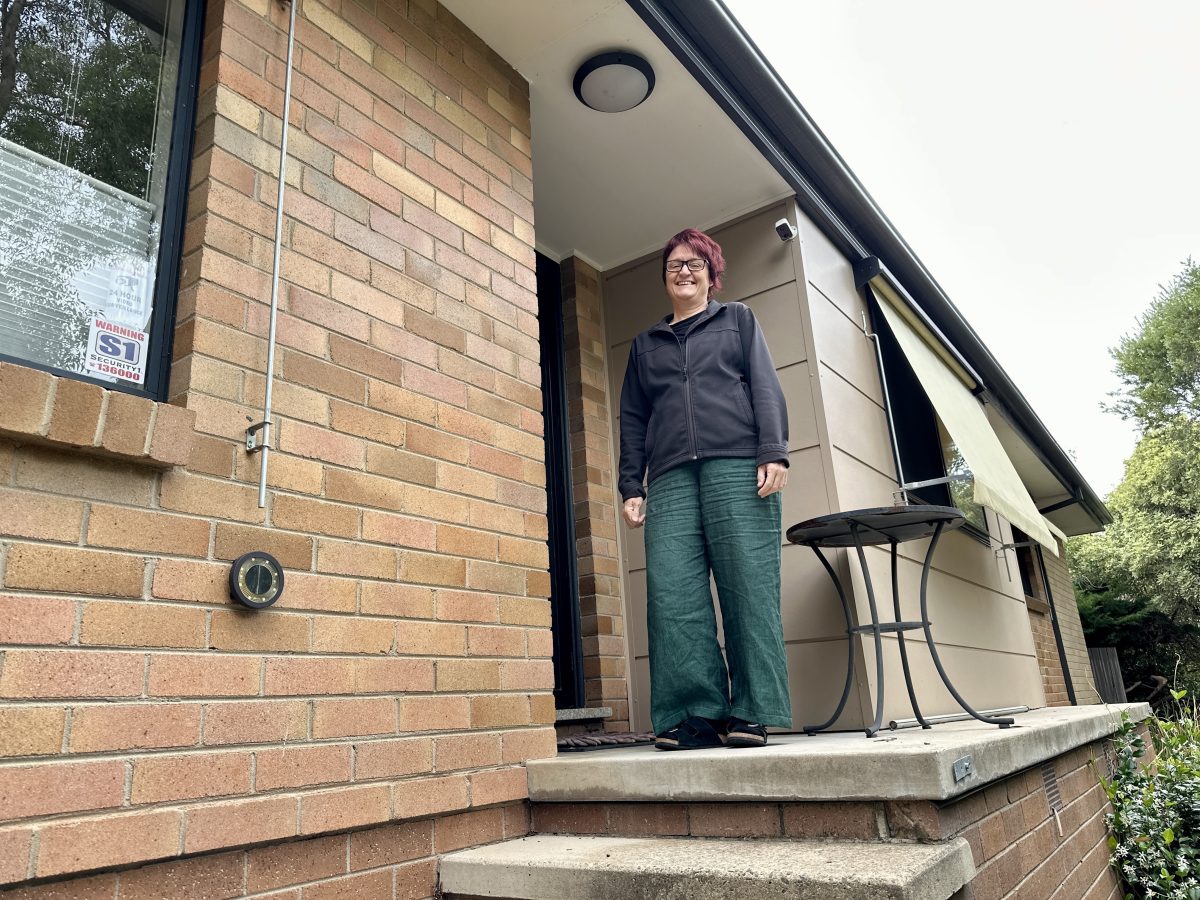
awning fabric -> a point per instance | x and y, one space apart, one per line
997 484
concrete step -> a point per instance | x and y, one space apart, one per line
554 867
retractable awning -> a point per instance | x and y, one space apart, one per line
997 484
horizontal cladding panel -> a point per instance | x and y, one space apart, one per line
843 346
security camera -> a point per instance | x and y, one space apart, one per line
784 229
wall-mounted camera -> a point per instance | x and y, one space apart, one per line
784 229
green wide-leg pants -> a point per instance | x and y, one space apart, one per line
700 517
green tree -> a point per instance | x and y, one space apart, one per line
1150 555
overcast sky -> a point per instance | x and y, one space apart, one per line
1041 158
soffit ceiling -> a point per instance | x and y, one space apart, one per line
612 187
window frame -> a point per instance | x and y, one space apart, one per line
918 446
169 262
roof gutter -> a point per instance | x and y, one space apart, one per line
718 53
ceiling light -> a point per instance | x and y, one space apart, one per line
614 82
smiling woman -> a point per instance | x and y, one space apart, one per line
86 117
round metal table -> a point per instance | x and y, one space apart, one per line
892 525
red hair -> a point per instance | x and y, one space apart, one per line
703 246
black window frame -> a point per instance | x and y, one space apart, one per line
913 422
169 263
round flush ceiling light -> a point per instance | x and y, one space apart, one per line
614 82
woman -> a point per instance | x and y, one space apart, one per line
703 413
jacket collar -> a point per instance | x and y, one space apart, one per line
711 310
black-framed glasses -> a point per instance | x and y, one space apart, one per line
694 265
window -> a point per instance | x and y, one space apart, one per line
927 452
1032 583
94 139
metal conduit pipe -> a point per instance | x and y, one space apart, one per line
255 442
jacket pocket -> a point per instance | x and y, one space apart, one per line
744 404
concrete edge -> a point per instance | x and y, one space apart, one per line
908 765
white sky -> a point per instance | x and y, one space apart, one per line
1042 157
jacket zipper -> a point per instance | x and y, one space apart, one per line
687 393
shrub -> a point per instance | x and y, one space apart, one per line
1155 818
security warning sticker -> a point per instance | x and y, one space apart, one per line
114 351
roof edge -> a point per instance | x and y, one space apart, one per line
721 56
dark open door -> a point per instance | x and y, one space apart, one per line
560 509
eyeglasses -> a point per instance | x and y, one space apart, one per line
694 265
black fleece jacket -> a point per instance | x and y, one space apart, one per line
712 392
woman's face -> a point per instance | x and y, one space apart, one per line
685 287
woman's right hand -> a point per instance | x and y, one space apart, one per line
634 512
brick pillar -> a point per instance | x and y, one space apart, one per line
600 604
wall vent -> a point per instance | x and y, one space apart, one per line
1053 794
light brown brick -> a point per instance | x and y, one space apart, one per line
15 844
203 675
469 829
132 529
431 639
218 825
396 600
252 630
527 744
298 677
376 883
344 808
36 620
199 582
174 435
360 560
107 841
27 399
304 514
532 674
126 429
255 722
294 551
466 751
393 758
499 711
134 726
219 875
69 569
295 863
125 624
432 568
31 731
401 465
38 516
401 531
493 640
390 844
302 766
498 786
209 497
75 674
79 476
468 675
345 718
391 675
471 542
190 776
48 788
434 714
346 634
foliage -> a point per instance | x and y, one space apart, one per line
1159 365
84 88
1147 640
1155 818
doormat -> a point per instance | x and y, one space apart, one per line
577 743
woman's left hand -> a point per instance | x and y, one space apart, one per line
772 477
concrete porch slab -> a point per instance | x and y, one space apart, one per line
550 867
908 764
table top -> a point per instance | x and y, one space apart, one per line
881 525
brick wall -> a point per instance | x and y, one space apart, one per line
1070 627
601 606
1048 659
405 672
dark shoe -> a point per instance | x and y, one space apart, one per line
695 733
740 733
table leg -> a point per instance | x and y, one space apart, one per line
837 584
1002 722
862 561
912 695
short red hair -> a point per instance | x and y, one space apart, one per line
703 246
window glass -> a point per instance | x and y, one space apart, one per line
962 482
85 129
